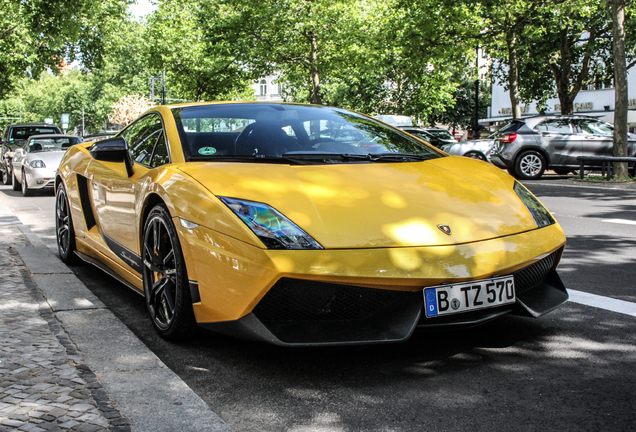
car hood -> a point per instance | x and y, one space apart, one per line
51 158
373 205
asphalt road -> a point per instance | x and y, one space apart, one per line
574 369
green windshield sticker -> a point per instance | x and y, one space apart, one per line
207 150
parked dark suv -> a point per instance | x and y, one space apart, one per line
533 144
14 136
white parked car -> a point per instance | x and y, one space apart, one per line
35 164
476 149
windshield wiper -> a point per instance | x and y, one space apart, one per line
247 158
403 157
370 157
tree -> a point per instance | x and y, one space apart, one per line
509 26
303 41
196 68
428 50
40 34
620 86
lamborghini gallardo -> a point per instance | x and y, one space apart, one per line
303 225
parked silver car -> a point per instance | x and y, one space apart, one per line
533 144
35 164
478 149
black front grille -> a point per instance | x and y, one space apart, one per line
531 276
294 300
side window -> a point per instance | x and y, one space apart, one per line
141 137
160 156
556 126
591 127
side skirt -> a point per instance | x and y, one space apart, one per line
108 270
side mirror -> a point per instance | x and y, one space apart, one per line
113 150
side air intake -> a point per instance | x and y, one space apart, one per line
87 209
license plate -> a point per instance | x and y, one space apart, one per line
469 296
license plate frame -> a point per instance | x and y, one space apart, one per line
469 296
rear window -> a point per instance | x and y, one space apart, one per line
51 144
22 133
512 127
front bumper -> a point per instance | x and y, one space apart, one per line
40 178
302 313
309 297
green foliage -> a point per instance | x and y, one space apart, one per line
196 69
37 35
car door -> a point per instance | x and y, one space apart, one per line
559 139
19 157
116 195
597 138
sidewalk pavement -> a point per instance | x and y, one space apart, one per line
68 364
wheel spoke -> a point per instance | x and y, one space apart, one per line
152 267
168 257
155 229
168 294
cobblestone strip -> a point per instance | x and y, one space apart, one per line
44 384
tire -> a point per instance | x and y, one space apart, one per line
165 278
476 155
14 184
6 178
529 165
26 191
64 231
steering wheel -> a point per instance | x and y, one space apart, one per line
241 140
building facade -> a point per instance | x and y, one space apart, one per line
595 102
268 89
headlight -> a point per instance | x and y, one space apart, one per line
271 226
37 164
539 213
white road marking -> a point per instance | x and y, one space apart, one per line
620 221
607 303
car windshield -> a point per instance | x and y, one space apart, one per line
22 133
290 133
441 133
50 144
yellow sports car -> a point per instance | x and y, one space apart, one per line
303 225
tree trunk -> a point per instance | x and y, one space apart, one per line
563 80
620 86
513 74
567 91
313 71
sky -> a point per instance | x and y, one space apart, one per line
141 8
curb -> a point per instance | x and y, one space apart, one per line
129 383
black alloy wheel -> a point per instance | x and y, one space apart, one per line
529 165
26 191
64 231
165 278
15 185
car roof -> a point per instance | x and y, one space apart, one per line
18 125
534 120
54 136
